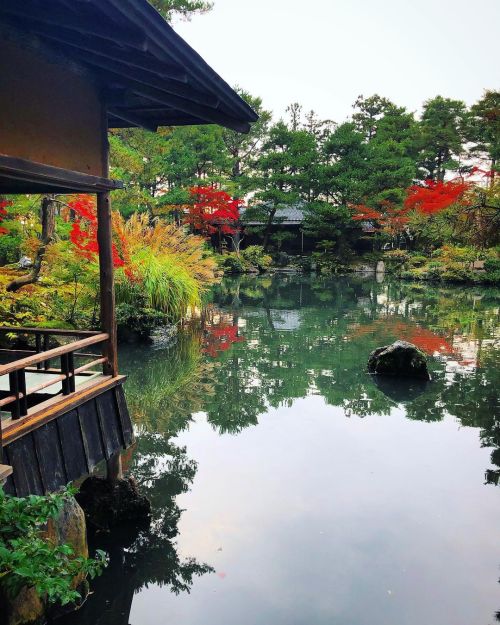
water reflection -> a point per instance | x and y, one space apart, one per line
266 343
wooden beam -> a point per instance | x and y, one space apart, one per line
206 113
107 281
133 58
5 471
105 29
106 270
31 360
132 118
166 43
151 79
28 173
52 331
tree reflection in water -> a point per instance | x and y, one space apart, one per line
267 341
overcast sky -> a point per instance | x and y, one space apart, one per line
324 53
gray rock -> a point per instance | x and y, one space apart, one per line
25 262
401 359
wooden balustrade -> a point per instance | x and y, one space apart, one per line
16 400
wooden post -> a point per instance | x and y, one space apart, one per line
114 471
107 280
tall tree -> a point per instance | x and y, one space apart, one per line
484 130
283 174
242 148
443 128
368 112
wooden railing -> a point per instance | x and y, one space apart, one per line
16 400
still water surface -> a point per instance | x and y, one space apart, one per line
288 487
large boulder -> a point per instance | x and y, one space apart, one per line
68 528
110 504
401 359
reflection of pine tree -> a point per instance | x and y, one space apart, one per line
147 555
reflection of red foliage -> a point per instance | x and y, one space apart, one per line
213 211
83 233
219 338
3 213
426 340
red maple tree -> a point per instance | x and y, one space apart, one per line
213 212
435 196
83 233
388 217
3 213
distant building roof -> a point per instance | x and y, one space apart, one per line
287 216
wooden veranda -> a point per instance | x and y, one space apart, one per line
68 72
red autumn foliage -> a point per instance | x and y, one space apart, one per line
389 216
220 337
434 196
83 233
213 211
3 213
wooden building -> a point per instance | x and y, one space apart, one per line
69 70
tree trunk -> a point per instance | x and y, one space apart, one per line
267 230
48 219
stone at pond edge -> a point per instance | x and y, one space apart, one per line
109 504
68 528
399 359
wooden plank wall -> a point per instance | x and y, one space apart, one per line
69 447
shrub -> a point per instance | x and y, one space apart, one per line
232 263
396 257
27 558
281 259
10 249
456 272
255 255
492 264
417 261
134 322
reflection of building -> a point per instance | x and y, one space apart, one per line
467 352
286 319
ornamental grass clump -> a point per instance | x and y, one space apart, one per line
167 270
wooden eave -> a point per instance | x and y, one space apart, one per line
21 176
150 75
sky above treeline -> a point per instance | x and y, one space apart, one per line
324 53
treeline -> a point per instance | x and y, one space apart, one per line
327 168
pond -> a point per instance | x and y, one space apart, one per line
290 487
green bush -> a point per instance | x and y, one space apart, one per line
232 263
281 259
492 264
396 257
28 558
255 255
134 322
489 277
456 272
10 249
417 261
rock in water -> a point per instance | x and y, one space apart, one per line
107 505
399 359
